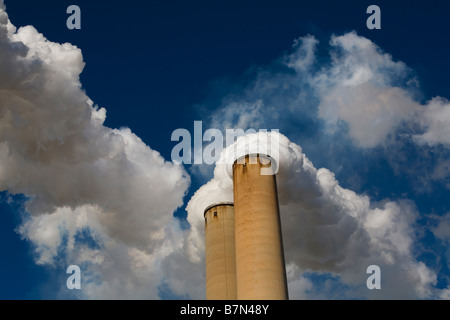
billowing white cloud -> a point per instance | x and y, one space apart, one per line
371 112
435 120
80 177
360 89
365 88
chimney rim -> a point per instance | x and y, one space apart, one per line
231 204
272 160
257 155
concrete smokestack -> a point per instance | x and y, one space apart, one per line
220 252
260 266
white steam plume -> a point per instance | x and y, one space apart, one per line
359 98
330 229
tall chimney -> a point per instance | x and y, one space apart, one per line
260 266
220 252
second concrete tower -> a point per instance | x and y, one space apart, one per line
220 252
260 266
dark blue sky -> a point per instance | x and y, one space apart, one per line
151 63
158 59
